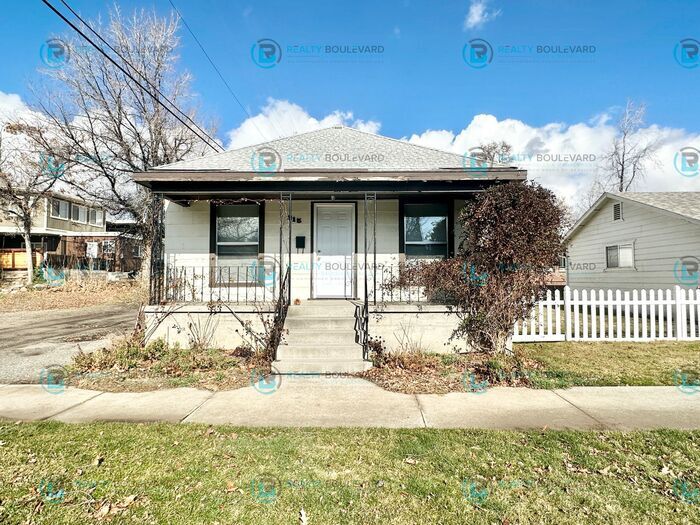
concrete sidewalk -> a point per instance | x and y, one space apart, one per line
350 402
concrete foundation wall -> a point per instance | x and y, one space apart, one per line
179 327
404 327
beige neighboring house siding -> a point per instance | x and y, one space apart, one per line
38 219
69 225
658 239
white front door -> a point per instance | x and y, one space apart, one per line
334 241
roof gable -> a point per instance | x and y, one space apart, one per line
682 205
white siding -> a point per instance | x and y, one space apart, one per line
187 234
659 241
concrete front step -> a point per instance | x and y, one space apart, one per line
319 337
342 309
320 323
321 366
341 351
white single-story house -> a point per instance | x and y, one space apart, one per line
636 240
310 226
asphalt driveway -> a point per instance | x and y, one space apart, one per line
32 340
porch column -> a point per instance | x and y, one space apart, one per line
371 205
286 215
157 262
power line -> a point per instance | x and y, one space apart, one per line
134 68
230 90
209 141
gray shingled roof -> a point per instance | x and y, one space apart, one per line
334 148
686 203
681 203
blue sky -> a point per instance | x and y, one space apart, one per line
421 81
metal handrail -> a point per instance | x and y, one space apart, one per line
281 309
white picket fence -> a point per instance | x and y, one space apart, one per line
613 315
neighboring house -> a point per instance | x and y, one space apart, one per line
67 231
359 206
636 240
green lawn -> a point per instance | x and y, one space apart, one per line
610 364
183 474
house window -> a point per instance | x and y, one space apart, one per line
237 232
108 247
617 211
136 250
619 256
96 217
60 209
425 230
91 249
79 213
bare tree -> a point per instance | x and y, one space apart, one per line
26 177
494 152
631 151
104 127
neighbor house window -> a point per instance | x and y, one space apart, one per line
619 256
425 230
108 247
237 233
60 209
96 217
79 213
136 250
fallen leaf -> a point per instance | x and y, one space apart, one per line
303 520
230 486
410 461
97 461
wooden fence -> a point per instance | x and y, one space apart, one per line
613 315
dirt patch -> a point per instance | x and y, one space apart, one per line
420 373
73 294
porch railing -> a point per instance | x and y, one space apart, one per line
362 327
244 284
396 284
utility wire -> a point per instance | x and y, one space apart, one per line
230 90
209 141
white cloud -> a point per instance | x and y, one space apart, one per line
280 118
568 158
479 14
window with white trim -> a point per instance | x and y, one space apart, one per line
60 209
108 247
237 232
619 256
425 230
79 213
96 217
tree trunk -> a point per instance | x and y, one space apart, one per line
28 251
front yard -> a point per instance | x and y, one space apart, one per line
189 474
128 367
542 365
72 294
